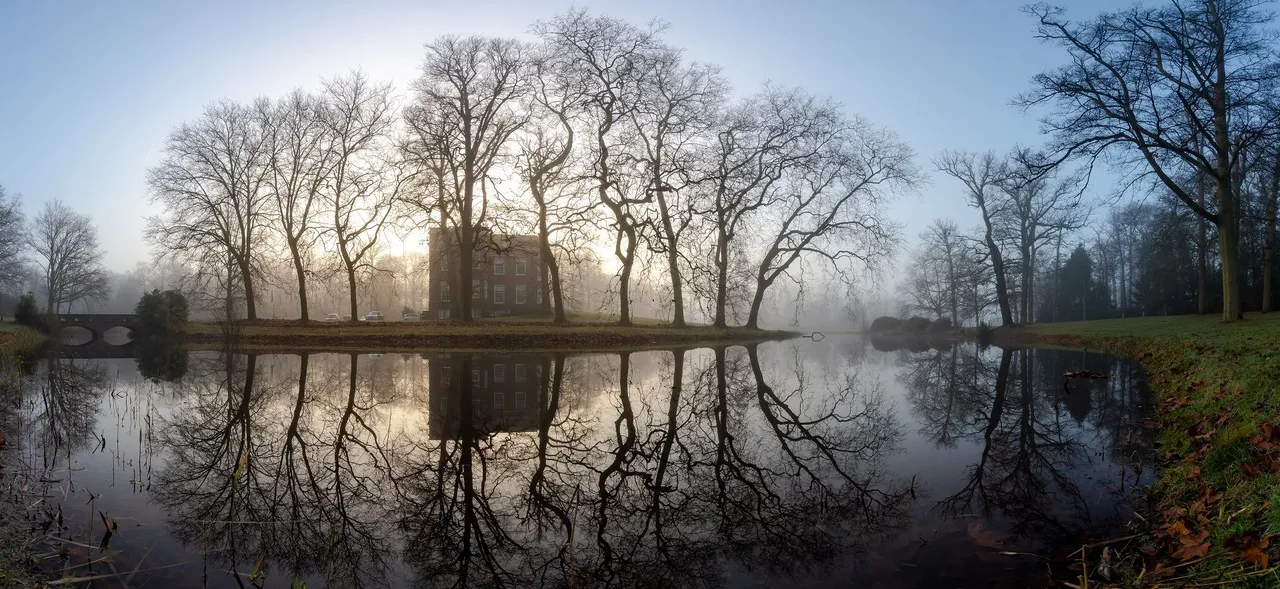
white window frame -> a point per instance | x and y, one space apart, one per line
475 377
446 295
499 373
519 400
499 294
521 373
520 267
444 313
446 375
499 401
521 294
444 264
476 289
499 267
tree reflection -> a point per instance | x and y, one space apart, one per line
260 477
1039 463
64 408
527 470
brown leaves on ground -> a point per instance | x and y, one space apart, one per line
1251 548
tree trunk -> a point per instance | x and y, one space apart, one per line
1228 243
302 278
1269 239
753 318
351 291
1269 254
673 258
552 278
997 266
722 275
624 288
466 269
246 274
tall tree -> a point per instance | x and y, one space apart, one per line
1040 209
300 161
675 106
546 145
757 142
461 123
364 178
611 60
212 187
66 246
982 175
13 241
831 210
1180 87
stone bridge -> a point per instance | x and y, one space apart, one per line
96 323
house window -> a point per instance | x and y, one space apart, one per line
445 295
475 313
499 294
444 264
519 400
444 313
519 266
520 374
499 373
475 377
538 295
446 375
520 295
499 401
499 267
475 289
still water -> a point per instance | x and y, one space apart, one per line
788 464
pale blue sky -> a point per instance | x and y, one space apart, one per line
89 90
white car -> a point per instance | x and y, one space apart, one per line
332 317
374 316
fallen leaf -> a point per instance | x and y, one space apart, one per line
1255 556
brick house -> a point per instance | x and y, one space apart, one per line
507 392
506 280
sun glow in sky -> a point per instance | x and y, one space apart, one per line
91 89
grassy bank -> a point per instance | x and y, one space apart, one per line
1217 385
503 334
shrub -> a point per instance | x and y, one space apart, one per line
27 313
160 313
942 324
885 324
915 324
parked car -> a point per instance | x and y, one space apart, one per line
333 317
410 317
346 318
374 316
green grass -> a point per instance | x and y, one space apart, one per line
1216 386
510 334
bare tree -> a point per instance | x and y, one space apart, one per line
982 175
300 161
13 241
757 142
212 187
831 208
933 277
460 124
676 104
364 180
1272 191
1040 208
66 246
611 59
1177 87
544 161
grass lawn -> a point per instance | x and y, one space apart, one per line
18 338
524 334
1217 388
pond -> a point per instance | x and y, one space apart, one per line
787 464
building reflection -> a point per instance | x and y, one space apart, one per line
506 393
